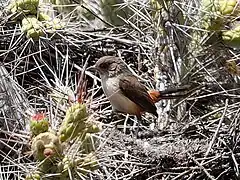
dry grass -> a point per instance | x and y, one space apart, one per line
196 137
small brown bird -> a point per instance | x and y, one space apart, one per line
125 93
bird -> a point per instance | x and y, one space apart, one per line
124 90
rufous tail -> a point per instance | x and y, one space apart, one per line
170 93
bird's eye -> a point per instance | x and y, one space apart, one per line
112 67
104 65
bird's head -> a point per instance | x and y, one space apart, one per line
110 66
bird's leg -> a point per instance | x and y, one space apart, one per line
136 131
139 120
110 117
113 113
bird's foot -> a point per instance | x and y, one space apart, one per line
134 129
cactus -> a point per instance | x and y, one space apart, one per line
46 145
34 176
233 66
156 7
89 163
55 24
220 7
31 16
39 124
32 26
232 37
92 128
85 164
43 17
227 7
88 143
216 13
112 11
219 14
48 149
24 6
74 122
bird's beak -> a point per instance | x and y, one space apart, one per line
92 68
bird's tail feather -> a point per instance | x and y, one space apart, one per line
171 93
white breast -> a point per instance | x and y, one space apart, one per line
118 101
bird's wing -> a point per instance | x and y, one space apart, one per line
137 93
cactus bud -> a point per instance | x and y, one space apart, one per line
34 176
93 129
46 145
39 124
232 37
88 143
